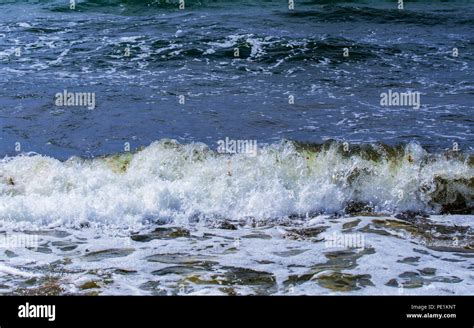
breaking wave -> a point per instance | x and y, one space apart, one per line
168 181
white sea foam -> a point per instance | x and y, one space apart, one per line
174 182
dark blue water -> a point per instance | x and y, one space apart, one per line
190 52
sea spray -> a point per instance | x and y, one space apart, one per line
174 182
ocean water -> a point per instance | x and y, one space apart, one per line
336 192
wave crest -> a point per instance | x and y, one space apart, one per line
169 181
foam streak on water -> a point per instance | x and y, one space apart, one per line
380 255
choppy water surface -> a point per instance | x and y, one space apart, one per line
191 53
343 195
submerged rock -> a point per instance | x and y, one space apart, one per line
89 285
107 253
162 233
125 271
454 196
305 233
337 261
351 224
65 246
416 280
427 271
186 269
155 287
451 249
291 252
229 291
411 216
47 286
409 260
257 236
180 259
422 228
392 283
358 208
10 254
226 225
40 249
343 282
264 282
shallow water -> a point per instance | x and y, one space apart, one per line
386 256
